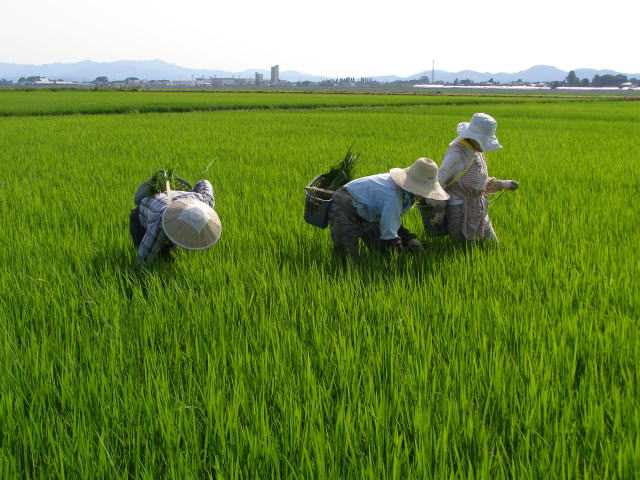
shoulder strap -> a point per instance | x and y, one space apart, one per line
460 174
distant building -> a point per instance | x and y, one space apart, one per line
45 82
275 74
203 82
222 82
207 82
159 83
259 79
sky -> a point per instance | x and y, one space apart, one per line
334 38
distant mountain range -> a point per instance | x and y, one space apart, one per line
161 70
538 73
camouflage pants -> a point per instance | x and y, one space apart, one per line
347 227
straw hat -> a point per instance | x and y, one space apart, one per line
191 224
420 178
482 129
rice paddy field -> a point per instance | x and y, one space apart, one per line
267 357
65 102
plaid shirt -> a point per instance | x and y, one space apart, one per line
151 210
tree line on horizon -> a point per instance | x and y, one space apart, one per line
572 80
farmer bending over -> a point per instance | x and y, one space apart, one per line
166 219
371 208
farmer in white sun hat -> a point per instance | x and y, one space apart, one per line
466 178
372 207
166 219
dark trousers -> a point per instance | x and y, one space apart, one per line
137 232
136 229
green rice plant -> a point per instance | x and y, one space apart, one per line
340 173
159 179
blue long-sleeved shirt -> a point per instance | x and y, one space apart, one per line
377 198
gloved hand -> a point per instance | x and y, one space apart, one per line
393 244
413 246
509 184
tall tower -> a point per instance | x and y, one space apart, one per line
275 74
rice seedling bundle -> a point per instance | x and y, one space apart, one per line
340 173
164 177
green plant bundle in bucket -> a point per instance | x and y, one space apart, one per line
340 173
157 183
320 190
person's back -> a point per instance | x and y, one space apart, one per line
148 220
377 198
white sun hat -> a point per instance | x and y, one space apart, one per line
421 178
191 224
482 129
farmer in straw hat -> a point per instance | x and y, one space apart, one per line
166 219
371 208
465 175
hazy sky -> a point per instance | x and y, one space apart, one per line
326 37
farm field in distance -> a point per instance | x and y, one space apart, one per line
63 102
266 357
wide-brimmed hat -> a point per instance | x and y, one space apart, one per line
420 178
191 224
482 129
